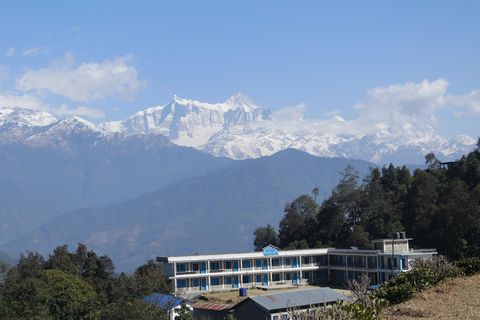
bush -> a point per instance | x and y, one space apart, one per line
469 266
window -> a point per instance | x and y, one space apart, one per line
214 266
288 276
319 259
246 264
275 262
306 275
319 274
214 281
287 261
194 266
259 278
275 317
228 280
258 263
246 279
350 275
276 277
181 267
181 283
228 264
195 282
306 260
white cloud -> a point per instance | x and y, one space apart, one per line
4 76
27 101
80 111
471 101
35 51
10 52
289 114
332 112
90 81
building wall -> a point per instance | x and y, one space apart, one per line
246 270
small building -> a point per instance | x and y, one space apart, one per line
272 267
278 305
210 310
168 303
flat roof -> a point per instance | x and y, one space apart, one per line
252 255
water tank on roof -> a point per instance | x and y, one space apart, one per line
242 292
397 235
403 235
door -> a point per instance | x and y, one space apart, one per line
235 265
204 267
235 282
265 264
195 283
204 284
294 263
294 277
265 279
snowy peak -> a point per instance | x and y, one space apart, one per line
241 101
25 117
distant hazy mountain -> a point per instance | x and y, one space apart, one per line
217 212
240 130
49 167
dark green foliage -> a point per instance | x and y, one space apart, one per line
264 236
469 266
80 284
437 207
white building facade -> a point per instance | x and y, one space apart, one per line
270 267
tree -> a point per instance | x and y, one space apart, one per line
315 192
432 161
264 236
184 312
299 220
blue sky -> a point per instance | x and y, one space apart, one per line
105 60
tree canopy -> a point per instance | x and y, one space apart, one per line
437 207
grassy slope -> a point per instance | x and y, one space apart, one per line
458 298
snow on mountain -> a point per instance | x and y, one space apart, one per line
238 129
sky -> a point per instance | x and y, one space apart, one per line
376 60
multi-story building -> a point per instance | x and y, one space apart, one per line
218 272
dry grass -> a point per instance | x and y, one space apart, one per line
458 298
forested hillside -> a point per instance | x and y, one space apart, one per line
438 207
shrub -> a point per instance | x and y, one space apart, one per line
469 266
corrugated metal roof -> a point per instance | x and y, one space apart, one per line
164 301
298 298
211 306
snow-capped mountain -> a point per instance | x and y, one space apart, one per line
238 129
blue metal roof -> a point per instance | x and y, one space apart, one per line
299 298
164 301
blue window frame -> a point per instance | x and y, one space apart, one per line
287 261
306 260
181 267
246 279
214 266
246 264
259 278
258 263
306 275
228 280
276 277
181 283
319 259
319 274
275 262
196 283
195 267
215 281
228 264
288 276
